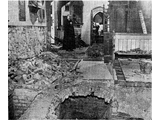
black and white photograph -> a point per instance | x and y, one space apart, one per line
79 59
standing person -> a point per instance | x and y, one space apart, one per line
97 28
100 30
69 35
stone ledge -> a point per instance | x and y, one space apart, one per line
133 84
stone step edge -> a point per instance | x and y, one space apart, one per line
133 83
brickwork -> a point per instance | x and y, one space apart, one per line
19 102
135 101
130 102
10 106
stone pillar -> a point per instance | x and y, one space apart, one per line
49 22
108 49
53 22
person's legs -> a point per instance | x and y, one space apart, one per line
71 44
64 44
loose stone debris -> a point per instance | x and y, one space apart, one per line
40 72
96 50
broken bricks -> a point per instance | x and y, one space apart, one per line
40 72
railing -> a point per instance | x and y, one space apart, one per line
128 41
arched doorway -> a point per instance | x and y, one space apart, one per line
97 25
75 9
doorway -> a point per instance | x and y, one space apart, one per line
97 25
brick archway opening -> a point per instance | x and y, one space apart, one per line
83 107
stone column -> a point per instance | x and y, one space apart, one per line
53 22
49 23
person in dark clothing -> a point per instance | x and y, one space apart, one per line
69 35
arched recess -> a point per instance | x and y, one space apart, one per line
98 18
95 12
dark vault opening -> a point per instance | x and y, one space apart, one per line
83 107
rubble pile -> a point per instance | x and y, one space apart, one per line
78 53
96 50
39 72
137 69
146 66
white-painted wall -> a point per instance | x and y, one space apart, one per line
85 32
63 13
13 15
88 6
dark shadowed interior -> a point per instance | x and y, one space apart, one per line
84 107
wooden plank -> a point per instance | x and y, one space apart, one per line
124 45
135 36
143 42
150 45
129 44
120 44
133 44
140 45
116 44
131 41
146 45
126 42
129 54
137 43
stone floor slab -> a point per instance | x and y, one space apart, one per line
94 70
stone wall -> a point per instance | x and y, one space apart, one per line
135 101
127 103
10 107
26 41
101 89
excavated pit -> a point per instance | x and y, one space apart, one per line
83 107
